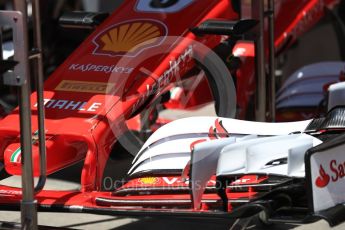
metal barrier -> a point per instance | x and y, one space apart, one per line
265 93
20 77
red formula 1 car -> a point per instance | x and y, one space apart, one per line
149 51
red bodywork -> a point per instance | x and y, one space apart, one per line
83 117
80 120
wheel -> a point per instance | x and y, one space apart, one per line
206 90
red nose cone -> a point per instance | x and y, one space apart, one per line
60 154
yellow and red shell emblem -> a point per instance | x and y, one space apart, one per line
148 180
130 38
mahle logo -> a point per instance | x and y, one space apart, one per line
130 38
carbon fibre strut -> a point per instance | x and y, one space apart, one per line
241 223
219 27
221 184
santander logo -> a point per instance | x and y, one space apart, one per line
322 180
337 172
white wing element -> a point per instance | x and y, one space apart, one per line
296 166
162 163
259 155
176 138
225 147
163 150
253 156
232 158
204 164
201 125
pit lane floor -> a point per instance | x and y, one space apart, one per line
87 221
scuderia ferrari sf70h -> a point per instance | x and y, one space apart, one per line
198 167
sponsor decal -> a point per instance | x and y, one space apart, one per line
10 192
178 181
162 6
327 169
71 105
84 87
175 68
100 68
163 182
171 181
249 179
337 172
217 131
166 77
130 38
322 180
148 180
16 156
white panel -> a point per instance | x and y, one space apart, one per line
253 155
336 95
328 184
259 155
166 162
181 145
233 157
204 165
296 155
201 125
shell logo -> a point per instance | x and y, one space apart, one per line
130 38
148 180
